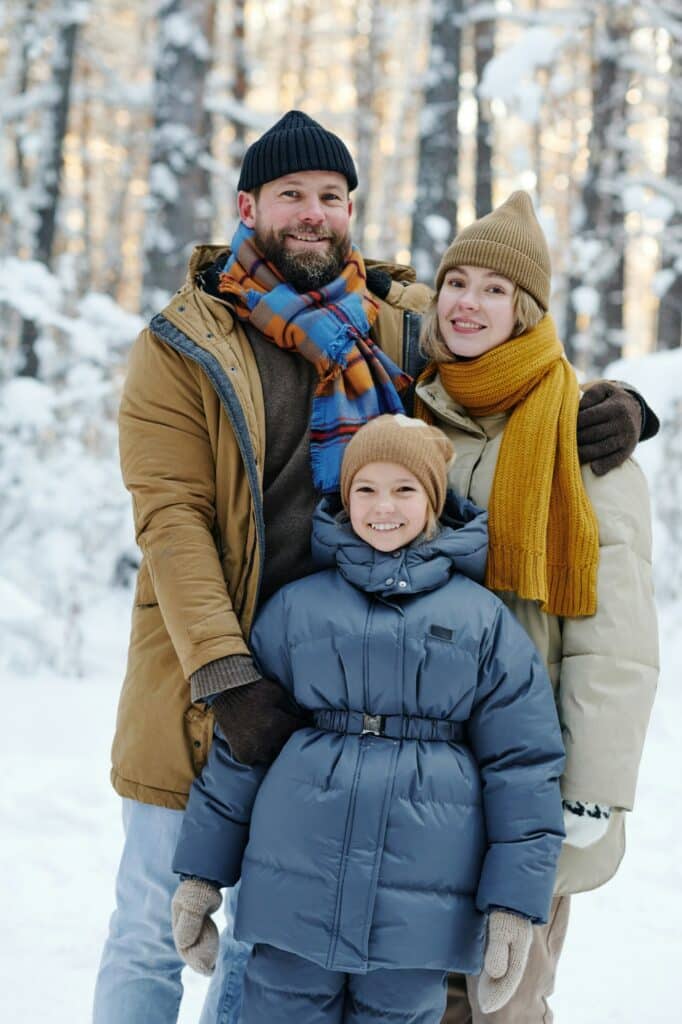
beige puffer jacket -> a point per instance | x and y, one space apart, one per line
192 442
604 668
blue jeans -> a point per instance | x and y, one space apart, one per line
139 976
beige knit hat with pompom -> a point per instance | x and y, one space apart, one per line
419 447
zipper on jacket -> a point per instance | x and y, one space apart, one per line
350 817
413 360
365 658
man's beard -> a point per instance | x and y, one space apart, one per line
305 270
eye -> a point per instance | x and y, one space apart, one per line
290 193
455 282
406 489
331 197
362 489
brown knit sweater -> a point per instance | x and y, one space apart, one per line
289 496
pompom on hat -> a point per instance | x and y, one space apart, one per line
418 446
295 143
510 241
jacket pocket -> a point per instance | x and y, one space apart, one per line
199 731
447 677
145 597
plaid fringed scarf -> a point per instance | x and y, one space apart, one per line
329 328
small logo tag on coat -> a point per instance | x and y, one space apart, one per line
441 632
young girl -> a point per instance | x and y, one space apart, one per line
569 551
421 804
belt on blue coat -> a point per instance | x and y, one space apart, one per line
392 727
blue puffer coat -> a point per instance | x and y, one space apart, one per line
367 851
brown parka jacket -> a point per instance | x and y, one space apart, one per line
192 439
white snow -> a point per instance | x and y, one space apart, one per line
509 75
439 228
586 300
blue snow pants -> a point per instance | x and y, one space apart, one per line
282 988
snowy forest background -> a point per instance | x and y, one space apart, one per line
123 127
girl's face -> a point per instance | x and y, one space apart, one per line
475 310
387 505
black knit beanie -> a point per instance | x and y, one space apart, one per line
295 143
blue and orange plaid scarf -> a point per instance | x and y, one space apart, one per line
330 328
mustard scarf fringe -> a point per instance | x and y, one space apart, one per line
544 536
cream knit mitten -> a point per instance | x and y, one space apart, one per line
585 823
195 934
506 953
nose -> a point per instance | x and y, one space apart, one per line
467 298
312 212
384 503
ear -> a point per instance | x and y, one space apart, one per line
246 204
350 207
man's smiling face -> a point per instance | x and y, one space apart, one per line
301 225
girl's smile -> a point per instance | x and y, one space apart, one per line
387 505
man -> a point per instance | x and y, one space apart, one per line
239 399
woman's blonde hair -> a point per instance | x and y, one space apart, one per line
527 314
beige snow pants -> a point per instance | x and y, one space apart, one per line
529 1003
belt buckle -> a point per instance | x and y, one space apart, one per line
372 725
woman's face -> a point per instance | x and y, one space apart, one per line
475 310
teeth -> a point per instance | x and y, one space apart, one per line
385 526
466 323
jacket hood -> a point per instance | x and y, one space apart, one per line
461 545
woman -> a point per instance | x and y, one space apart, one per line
569 550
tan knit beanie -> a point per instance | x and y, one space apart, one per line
508 240
423 449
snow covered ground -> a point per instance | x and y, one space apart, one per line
61 839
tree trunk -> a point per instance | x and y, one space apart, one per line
669 333
46 188
484 45
366 74
240 81
179 211
601 239
435 213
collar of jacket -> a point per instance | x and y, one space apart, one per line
460 546
445 408
203 257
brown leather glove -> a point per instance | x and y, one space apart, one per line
257 719
609 425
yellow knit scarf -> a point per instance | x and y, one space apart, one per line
544 538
